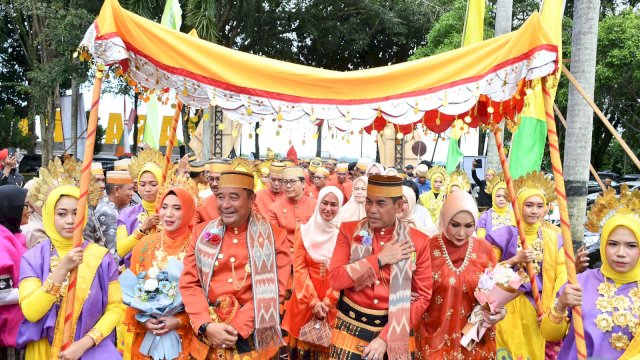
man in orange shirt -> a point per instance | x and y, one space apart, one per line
274 190
296 208
374 259
331 166
320 180
229 311
342 181
208 210
314 165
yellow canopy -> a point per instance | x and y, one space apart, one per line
486 81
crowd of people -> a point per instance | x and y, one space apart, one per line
313 259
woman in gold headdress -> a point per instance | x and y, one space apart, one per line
44 273
433 199
137 221
519 335
609 296
500 213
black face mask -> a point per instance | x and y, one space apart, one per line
12 199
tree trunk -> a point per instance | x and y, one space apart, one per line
579 114
74 118
504 19
47 128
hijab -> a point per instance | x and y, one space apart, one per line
353 210
188 213
33 231
154 169
455 203
318 235
12 199
409 217
390 172
376 165
633 224
530 231
432 179
62 245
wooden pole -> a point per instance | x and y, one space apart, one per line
172 139
558 176
85 178
516 212
591 168
606 122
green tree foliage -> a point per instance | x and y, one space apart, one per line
11 134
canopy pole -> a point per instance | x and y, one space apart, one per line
518 216
172 139
591 168
85 178
556 165
606 122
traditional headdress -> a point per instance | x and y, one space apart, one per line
119 177
121 165
314 165
437 171
384 186
538 182
197 166
57 174
342 167
497 180
322 171
183 181
146 156
458 178
218 165
96 168
237 178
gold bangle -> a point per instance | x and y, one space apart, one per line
138 234
51 288
95 335
556 317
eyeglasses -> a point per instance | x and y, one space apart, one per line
318 177
290 182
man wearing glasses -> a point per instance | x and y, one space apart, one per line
320 180
295 209
274 190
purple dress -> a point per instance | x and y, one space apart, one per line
35 263
597 342
506 238
129 218
486 221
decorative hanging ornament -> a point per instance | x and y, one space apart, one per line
221 127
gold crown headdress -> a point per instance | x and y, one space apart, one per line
437 170
184 181
536 180
265 167
145 156
57 174
497 179
608 204
459 178
240 163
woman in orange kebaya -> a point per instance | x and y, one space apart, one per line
312 294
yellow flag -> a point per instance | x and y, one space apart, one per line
474 23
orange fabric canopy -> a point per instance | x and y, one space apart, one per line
485 81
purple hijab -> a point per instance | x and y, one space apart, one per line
35 263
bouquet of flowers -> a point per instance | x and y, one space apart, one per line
155 294
496 287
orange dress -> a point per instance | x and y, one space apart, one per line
346 188
264 198
142 258
310 286
452 301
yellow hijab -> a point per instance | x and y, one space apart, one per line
432 179
530 231
61 244
633 224
154 169
501 211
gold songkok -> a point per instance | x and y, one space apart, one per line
277 168
314 165
197 166
293 172
237 178
121 164
384 186
322 171
96 168
363 164
342 167
218 166
119 177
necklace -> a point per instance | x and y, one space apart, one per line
465 262
247 270
54 261
618 311
537 246
161 255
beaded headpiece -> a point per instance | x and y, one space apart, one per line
145 156
535 180
57 174
438 170
459 178
179 180
608 204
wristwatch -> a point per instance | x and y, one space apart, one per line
379 263
202 330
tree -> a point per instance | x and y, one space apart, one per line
12 135
577 149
